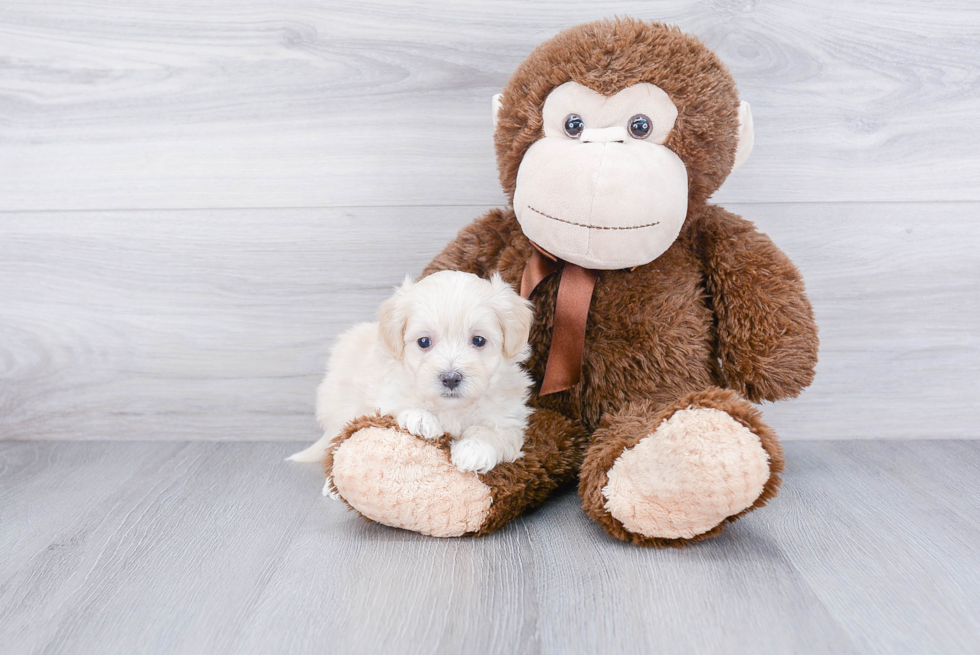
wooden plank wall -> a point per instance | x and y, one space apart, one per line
196 197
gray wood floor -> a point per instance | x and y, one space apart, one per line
190 547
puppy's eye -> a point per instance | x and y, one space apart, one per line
640 126
574 125
479 342
424 343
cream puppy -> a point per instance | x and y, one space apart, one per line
444 358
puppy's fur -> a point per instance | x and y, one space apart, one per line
424 364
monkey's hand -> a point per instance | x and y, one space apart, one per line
767 339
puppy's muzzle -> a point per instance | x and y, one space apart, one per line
451 379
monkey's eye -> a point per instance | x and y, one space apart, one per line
479 342
424 343
574 125
640 126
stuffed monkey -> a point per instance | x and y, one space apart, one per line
659 317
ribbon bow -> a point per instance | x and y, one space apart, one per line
564 367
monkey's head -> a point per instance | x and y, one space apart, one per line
609 131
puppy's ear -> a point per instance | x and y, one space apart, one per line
392 318
515 316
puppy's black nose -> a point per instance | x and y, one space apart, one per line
451 379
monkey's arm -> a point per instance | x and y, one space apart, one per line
766 337
477 247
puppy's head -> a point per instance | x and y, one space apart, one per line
454 331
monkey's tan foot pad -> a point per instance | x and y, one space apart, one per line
698 467
396 479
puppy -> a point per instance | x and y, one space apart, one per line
444 358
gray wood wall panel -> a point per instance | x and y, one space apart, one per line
215 324
255 104
116 547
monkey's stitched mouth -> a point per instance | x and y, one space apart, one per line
592 227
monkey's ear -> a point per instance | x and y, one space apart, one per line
746 134
392 320
495 103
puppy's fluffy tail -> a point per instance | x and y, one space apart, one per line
314 453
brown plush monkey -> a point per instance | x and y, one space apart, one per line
658 316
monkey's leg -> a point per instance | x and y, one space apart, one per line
670 475
394 478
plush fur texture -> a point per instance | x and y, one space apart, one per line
432 494
696 469
458 506
604 199
717 320
608 56
636 422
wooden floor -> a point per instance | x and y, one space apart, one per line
192 547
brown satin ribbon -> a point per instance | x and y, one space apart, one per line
564 367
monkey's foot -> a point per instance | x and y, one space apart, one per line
697 469
706 462
396 479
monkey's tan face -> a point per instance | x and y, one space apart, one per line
601 189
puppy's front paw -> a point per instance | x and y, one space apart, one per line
420 423
470 454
